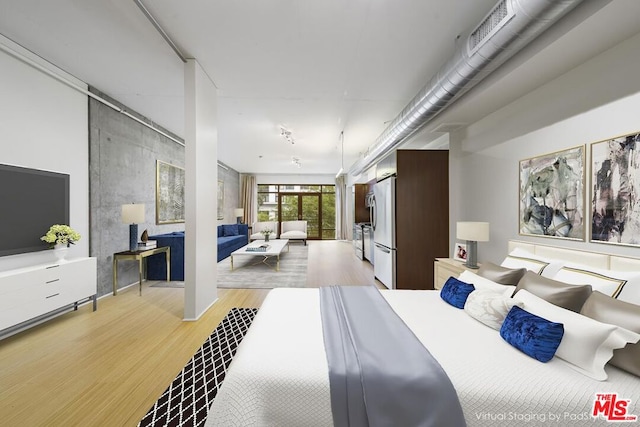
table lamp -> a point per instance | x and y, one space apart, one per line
133 214
472 232
239 212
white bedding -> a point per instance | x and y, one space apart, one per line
279 374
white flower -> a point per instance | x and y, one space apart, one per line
61 234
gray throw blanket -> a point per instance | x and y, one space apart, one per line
380 374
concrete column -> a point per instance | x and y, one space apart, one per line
201 157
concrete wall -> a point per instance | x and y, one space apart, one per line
595 101
232 188
43 125
123 156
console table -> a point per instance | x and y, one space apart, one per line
139 256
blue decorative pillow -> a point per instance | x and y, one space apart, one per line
531 334
230 230
455 292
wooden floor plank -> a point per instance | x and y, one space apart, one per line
106 368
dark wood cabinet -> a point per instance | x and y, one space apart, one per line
422 215
360 209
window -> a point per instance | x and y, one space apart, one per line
314 203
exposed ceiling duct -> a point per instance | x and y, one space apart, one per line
510 26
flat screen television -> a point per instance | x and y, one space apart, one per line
31 201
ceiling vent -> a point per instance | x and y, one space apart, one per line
496 19
509 27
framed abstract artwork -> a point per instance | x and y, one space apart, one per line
615 182
169 193
552 193
220 199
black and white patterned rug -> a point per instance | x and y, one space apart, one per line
187 400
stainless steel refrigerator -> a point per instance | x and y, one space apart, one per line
384 231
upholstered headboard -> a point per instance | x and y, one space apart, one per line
593 259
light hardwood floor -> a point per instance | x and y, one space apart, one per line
106 368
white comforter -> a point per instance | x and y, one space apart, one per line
279 374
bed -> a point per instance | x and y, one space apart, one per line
279 376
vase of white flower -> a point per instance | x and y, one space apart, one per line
266 232
60 237
60 251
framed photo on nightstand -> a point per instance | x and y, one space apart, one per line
460 251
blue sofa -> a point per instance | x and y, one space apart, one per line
230 238
156 264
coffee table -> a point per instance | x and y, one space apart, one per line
274 249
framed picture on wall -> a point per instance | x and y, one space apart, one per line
220 199
552 195
615 180
169 193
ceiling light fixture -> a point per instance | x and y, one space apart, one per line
342 150
286 134
296 161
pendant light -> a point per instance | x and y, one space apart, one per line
342 150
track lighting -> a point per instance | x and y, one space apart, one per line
286 134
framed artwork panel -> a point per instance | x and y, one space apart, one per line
615 181
169 193
220 199
552 195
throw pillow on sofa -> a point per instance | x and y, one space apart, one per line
230 230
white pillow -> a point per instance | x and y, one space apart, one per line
519 258
609 282
587 345
479 282
489 307
631 292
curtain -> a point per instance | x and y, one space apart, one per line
342 223
249 198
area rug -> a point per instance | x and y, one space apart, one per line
250 272
187 400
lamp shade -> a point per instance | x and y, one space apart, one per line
473 231
238 212
133 213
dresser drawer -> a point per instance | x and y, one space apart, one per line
10 284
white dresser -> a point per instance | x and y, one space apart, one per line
32 294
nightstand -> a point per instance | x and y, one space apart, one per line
443 268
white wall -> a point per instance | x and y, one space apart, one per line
44 125
201 150
296 179
595 101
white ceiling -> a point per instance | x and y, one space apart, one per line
315 67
